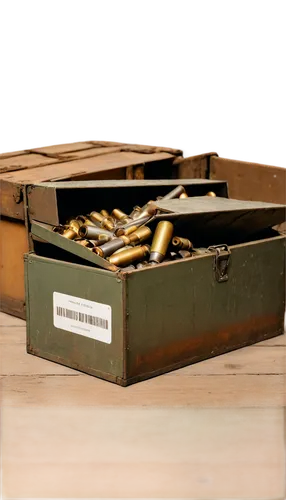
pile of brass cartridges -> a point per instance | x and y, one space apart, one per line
118 237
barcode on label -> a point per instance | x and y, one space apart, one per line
82 317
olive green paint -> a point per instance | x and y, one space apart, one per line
175 304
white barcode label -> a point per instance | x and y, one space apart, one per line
82 316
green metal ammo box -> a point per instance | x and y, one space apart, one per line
126 326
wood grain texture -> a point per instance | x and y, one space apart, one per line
13 245
241 391
9 321
250 181
72 168
211 430
133 453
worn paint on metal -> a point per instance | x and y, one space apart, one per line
45 276
163 317
179 311
53 202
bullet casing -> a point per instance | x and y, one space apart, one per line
104 213
183 195
122 249
75 225
138 223
184 253
130 255
85 220
147 210
120 216
93 232
102 238
141 234
181 243
111 246
161 240
175 193
121 231
58 229
136 211
85 243
103 221
211 193
69 233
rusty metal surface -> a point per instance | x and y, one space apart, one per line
182 314
164 317
46 276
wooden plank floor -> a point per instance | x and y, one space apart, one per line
211 430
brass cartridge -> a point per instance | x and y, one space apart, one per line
175 193
70 234
85 220
181 243
105 222
122 249
134 225
183 195
111 246
141 234
102 238
126 231
128 256
85 243
74 224
135 212
120 216
184 254
93 232
104 213
161 240
58 229
211 193
147 210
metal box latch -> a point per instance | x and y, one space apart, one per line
221 262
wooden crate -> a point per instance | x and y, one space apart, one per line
77 161
251 181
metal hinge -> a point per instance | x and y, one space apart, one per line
221 262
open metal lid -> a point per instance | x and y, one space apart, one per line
45 233
215 213
218 218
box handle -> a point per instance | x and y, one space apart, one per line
220 262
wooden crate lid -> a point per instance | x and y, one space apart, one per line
71 160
